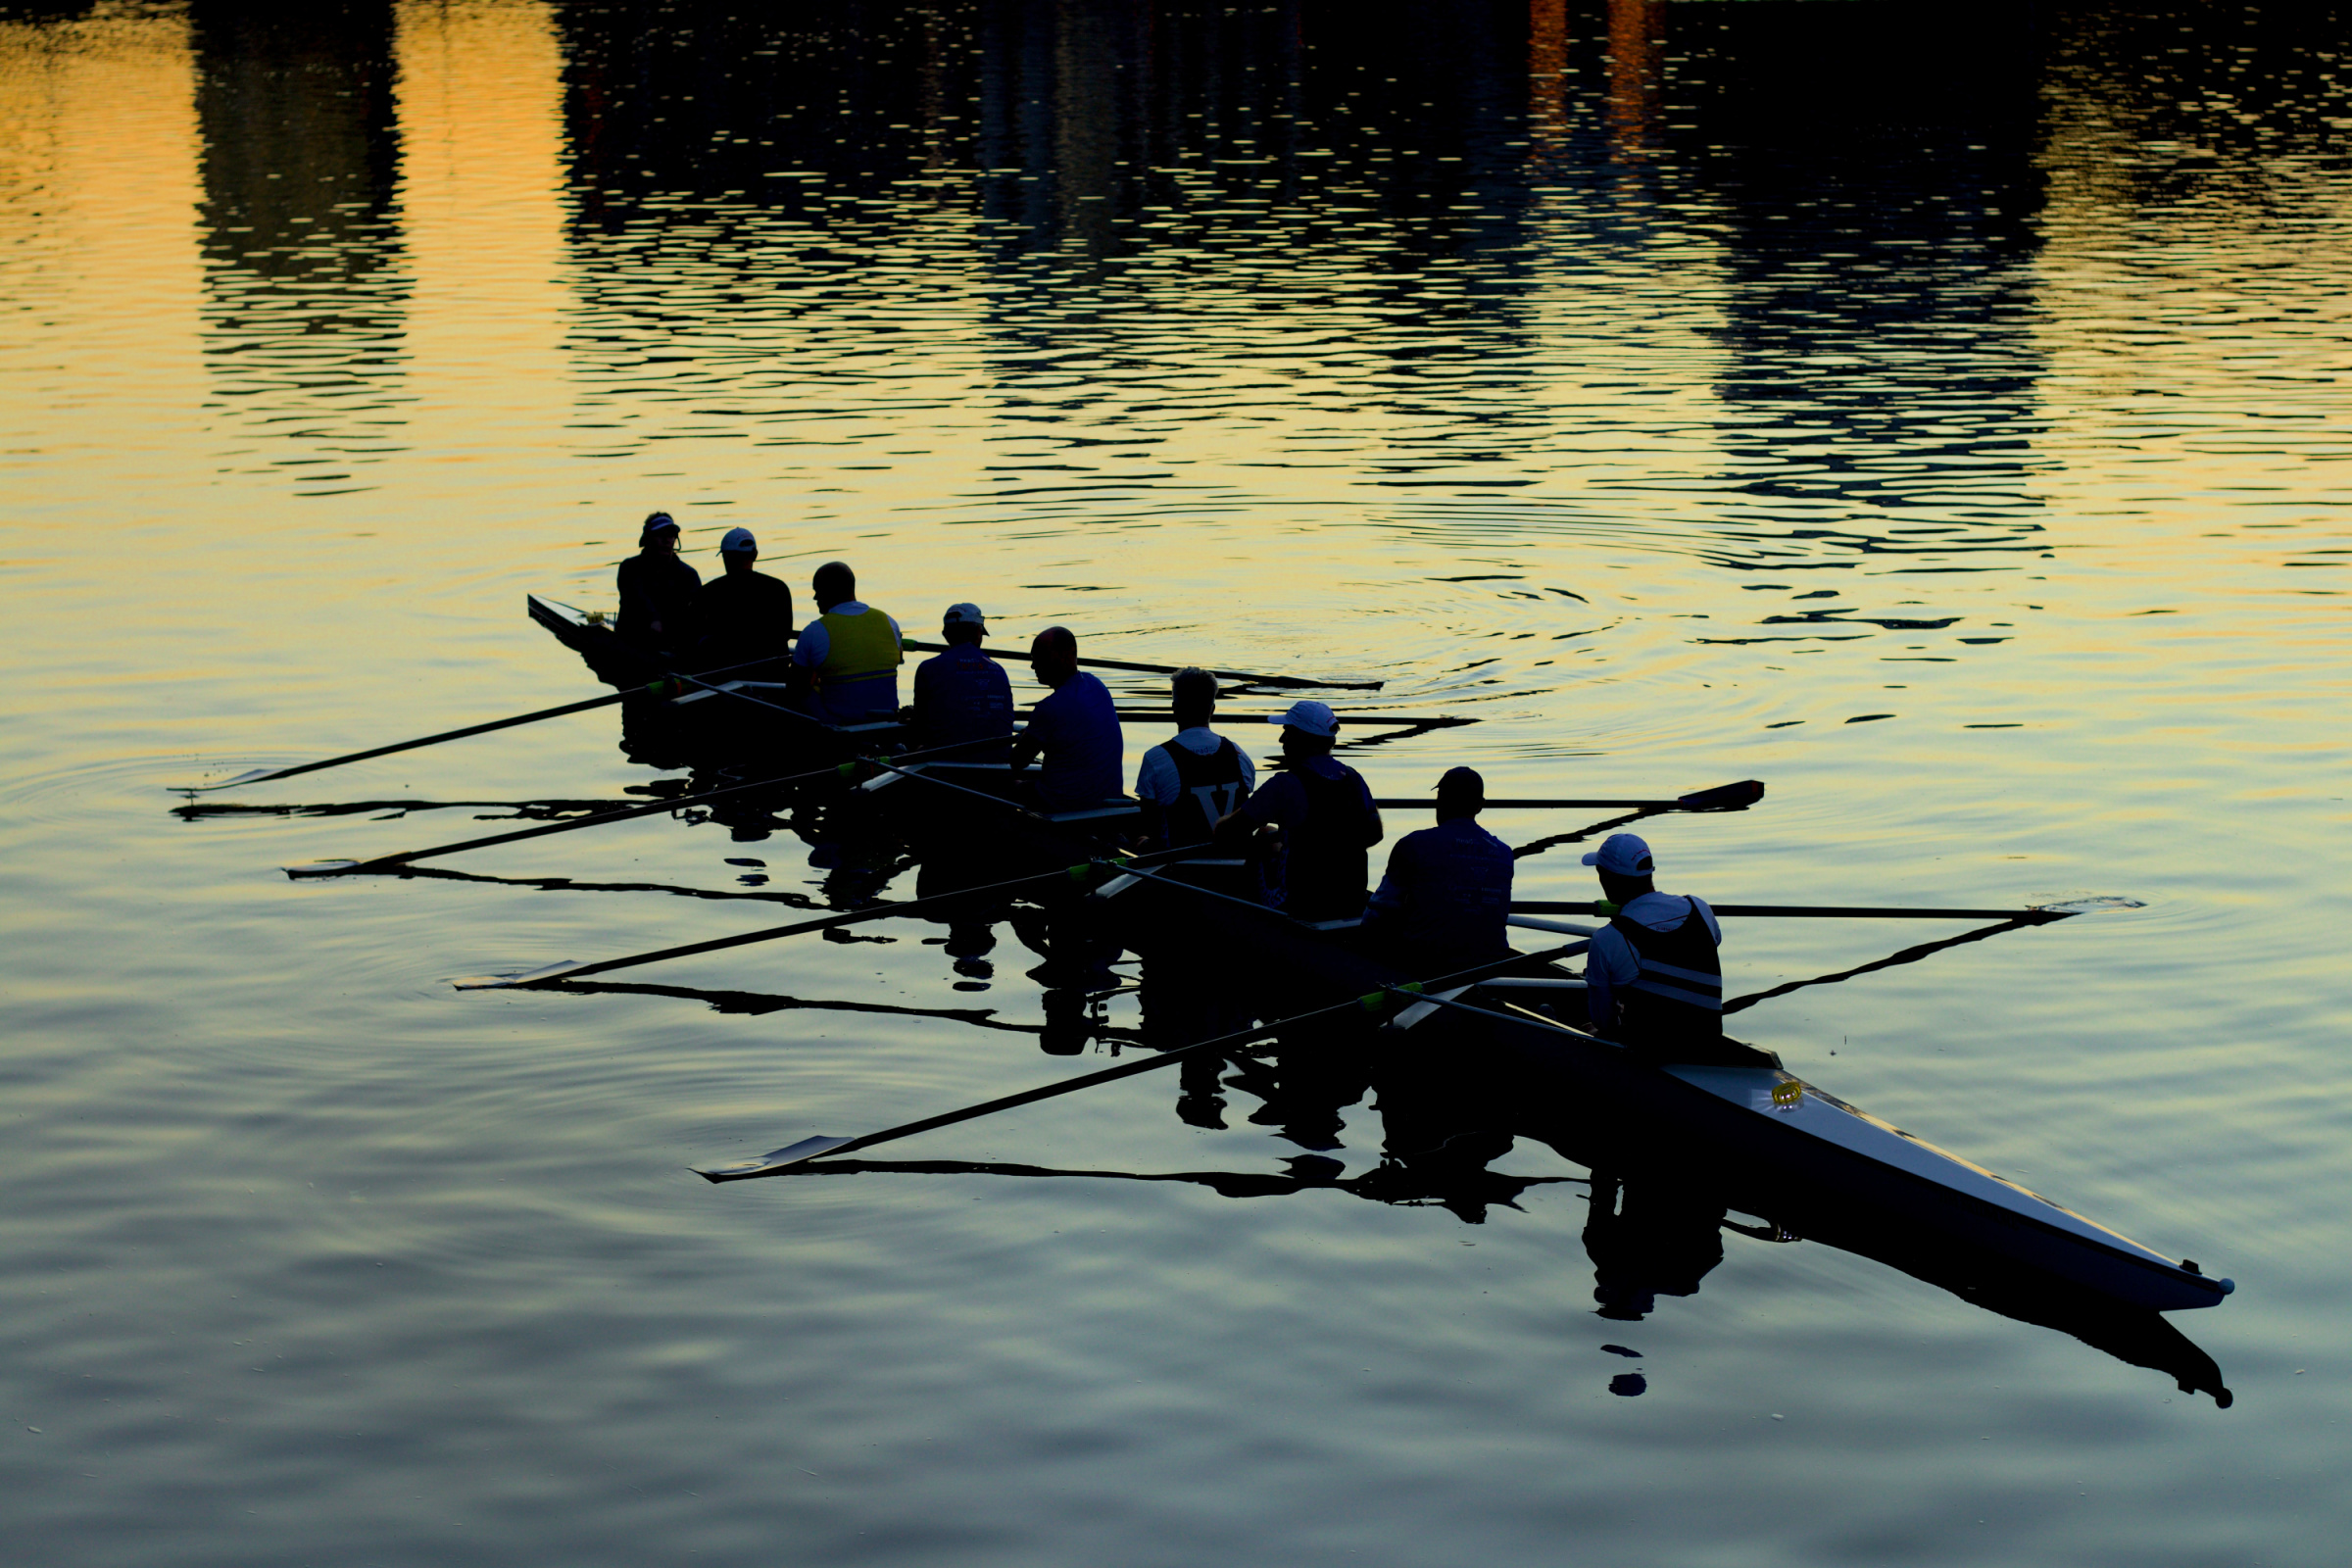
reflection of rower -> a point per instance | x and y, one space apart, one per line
1188 784
1316 817
851 651
742 614
657 590
1075 730
1443 902
963 695
1660 1240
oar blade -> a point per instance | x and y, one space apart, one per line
318 868
773 1161
507 982
251 775
1724 797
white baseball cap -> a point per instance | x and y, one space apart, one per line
1622 854
964 615
738 539
1311 716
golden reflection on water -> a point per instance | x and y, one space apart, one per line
1984 495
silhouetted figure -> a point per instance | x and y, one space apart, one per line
657 591
741 616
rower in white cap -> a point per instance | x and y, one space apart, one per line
1653 979
657 590
963 695
1310 824
742 614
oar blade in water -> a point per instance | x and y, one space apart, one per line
503 982
251 775
777 1159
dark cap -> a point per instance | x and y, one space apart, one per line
655 524
1461 784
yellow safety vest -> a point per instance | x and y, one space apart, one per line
857 647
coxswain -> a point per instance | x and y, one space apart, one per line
851 652
1190 783
744 617
1075 730
657 590
963 695
1653 979
1310 823
1444 904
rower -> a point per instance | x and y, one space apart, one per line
1317 819
1448 891
1193 782
1075 728
962 694
851 652
1653 978
657 590
743 616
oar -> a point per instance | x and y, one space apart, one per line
827 922
260 775
1722 797
1145 716
1894 959
2036 914
1014 656
808 1149
385 863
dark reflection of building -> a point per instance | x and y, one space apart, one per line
304 282
1870 175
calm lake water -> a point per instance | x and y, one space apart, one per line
1937 412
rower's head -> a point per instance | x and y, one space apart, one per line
963 625
1308 730
738 550
1053 654
1460 793
834 584
1625 866
1192 693
660 534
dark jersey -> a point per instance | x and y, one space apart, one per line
1448 889
1328 821
742 617
657 587
963 695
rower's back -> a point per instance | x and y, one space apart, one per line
1189 783
962 695
741 616
851 651
1446 898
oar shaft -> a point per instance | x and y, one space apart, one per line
1819 911
1013 656
823 922
1130 1068
621 814
1425 802
582 706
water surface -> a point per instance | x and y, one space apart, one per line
1938 413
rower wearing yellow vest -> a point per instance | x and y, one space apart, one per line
851 652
